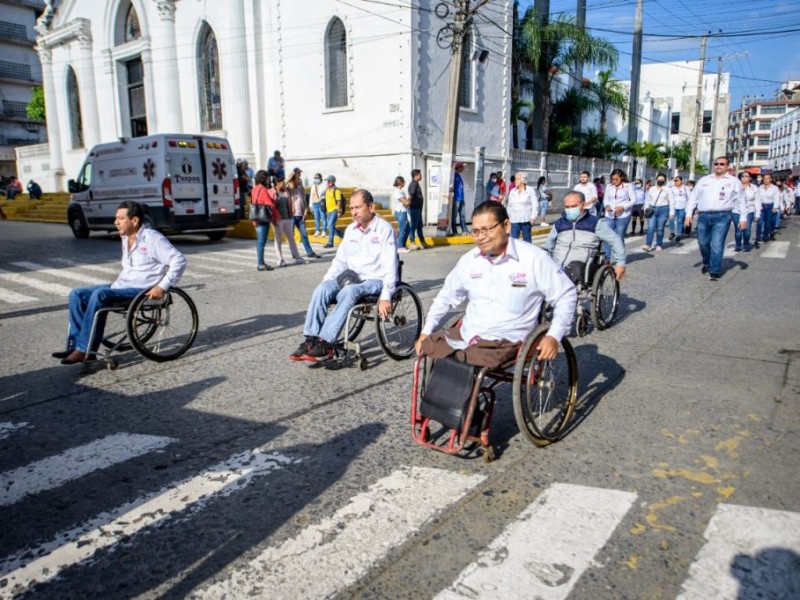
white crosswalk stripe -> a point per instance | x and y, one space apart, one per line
74 546
6 429
577 521
75 463
750 553
15 297
687 247
45 286
776 250
81 278
345 546
112 270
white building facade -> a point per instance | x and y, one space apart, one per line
784 144
668 108
358 90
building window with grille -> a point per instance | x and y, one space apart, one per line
136 102
675 125
210 88
336 65
75 121
466 97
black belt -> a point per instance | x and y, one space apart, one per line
712 212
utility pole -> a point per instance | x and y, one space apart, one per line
636 70
714 116
580 21
451 119
698 122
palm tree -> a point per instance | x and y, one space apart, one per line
521 112
599 145
654 154
608 93
521 79
551 45
682 153
570 108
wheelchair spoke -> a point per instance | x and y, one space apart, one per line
397 334
163 329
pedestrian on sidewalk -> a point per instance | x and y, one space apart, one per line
261 196
317 194
284 225
417 203
637 212
34 190
522 208
334 205
662 203
458 201
716 196
297 194
400 204
545 196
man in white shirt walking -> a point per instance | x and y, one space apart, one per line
504 281
716 196
589 191
149 260
368 255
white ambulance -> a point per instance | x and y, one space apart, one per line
187 184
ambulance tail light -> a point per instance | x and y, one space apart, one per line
166 192
236 192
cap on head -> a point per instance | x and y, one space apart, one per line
330 178
277 153
458 165
297 170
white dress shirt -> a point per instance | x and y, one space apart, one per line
505 293
750 199
589 191
522 205
660 196
680 196
151 261
616 196
370 252
714 193
768 195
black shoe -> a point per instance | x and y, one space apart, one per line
303 348
328 246
319 351
60 355
704 269
678 239
756 245
772 238
73 358
713 277
264 268
314 255
747 250
671 236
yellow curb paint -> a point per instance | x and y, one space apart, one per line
696 476
725 492
711 462
730 446
652 517
632 562
638 529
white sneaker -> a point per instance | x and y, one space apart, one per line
315 234
403 250
299 260
282 263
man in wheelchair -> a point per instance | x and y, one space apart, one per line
365 264
574 240
505 281
149 260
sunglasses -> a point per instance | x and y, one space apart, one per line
720 164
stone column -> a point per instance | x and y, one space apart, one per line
165 70
235 97
53 132
149 91
88 89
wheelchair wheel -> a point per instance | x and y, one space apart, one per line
400 331
162 330
605 298
354 327
544 392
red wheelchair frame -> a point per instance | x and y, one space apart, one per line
543 393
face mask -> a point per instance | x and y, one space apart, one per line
317 181
572 213
660 183
638 186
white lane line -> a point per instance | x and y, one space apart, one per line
750 553
73 463
61 273
45 286
686 247
729 250
575 520
212 268
68 548
776 250
105 269
6 429
233 262
15 297
327 557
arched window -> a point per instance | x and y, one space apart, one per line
208 67
74 99
336 65
132 29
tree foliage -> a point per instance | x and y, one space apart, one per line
608 93
35 108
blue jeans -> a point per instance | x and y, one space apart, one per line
655 225
764 225
327 326
83 304
300 224
712 229
333 216
742 235
319 216
415 229
620 226
797 205
262 231
677 221
543 204
524 228
776 221
458 208
402 234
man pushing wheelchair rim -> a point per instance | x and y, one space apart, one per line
505 282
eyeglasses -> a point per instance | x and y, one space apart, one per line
484 231
720 164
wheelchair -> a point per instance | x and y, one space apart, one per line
543 394
396 335
159 330
597 286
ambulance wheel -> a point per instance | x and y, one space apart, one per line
78 224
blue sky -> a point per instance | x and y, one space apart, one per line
758 63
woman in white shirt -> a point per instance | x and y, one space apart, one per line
400 204
753 214
660 200
618 200
522 207
544 195
680 196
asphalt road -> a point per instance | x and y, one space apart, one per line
232 472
